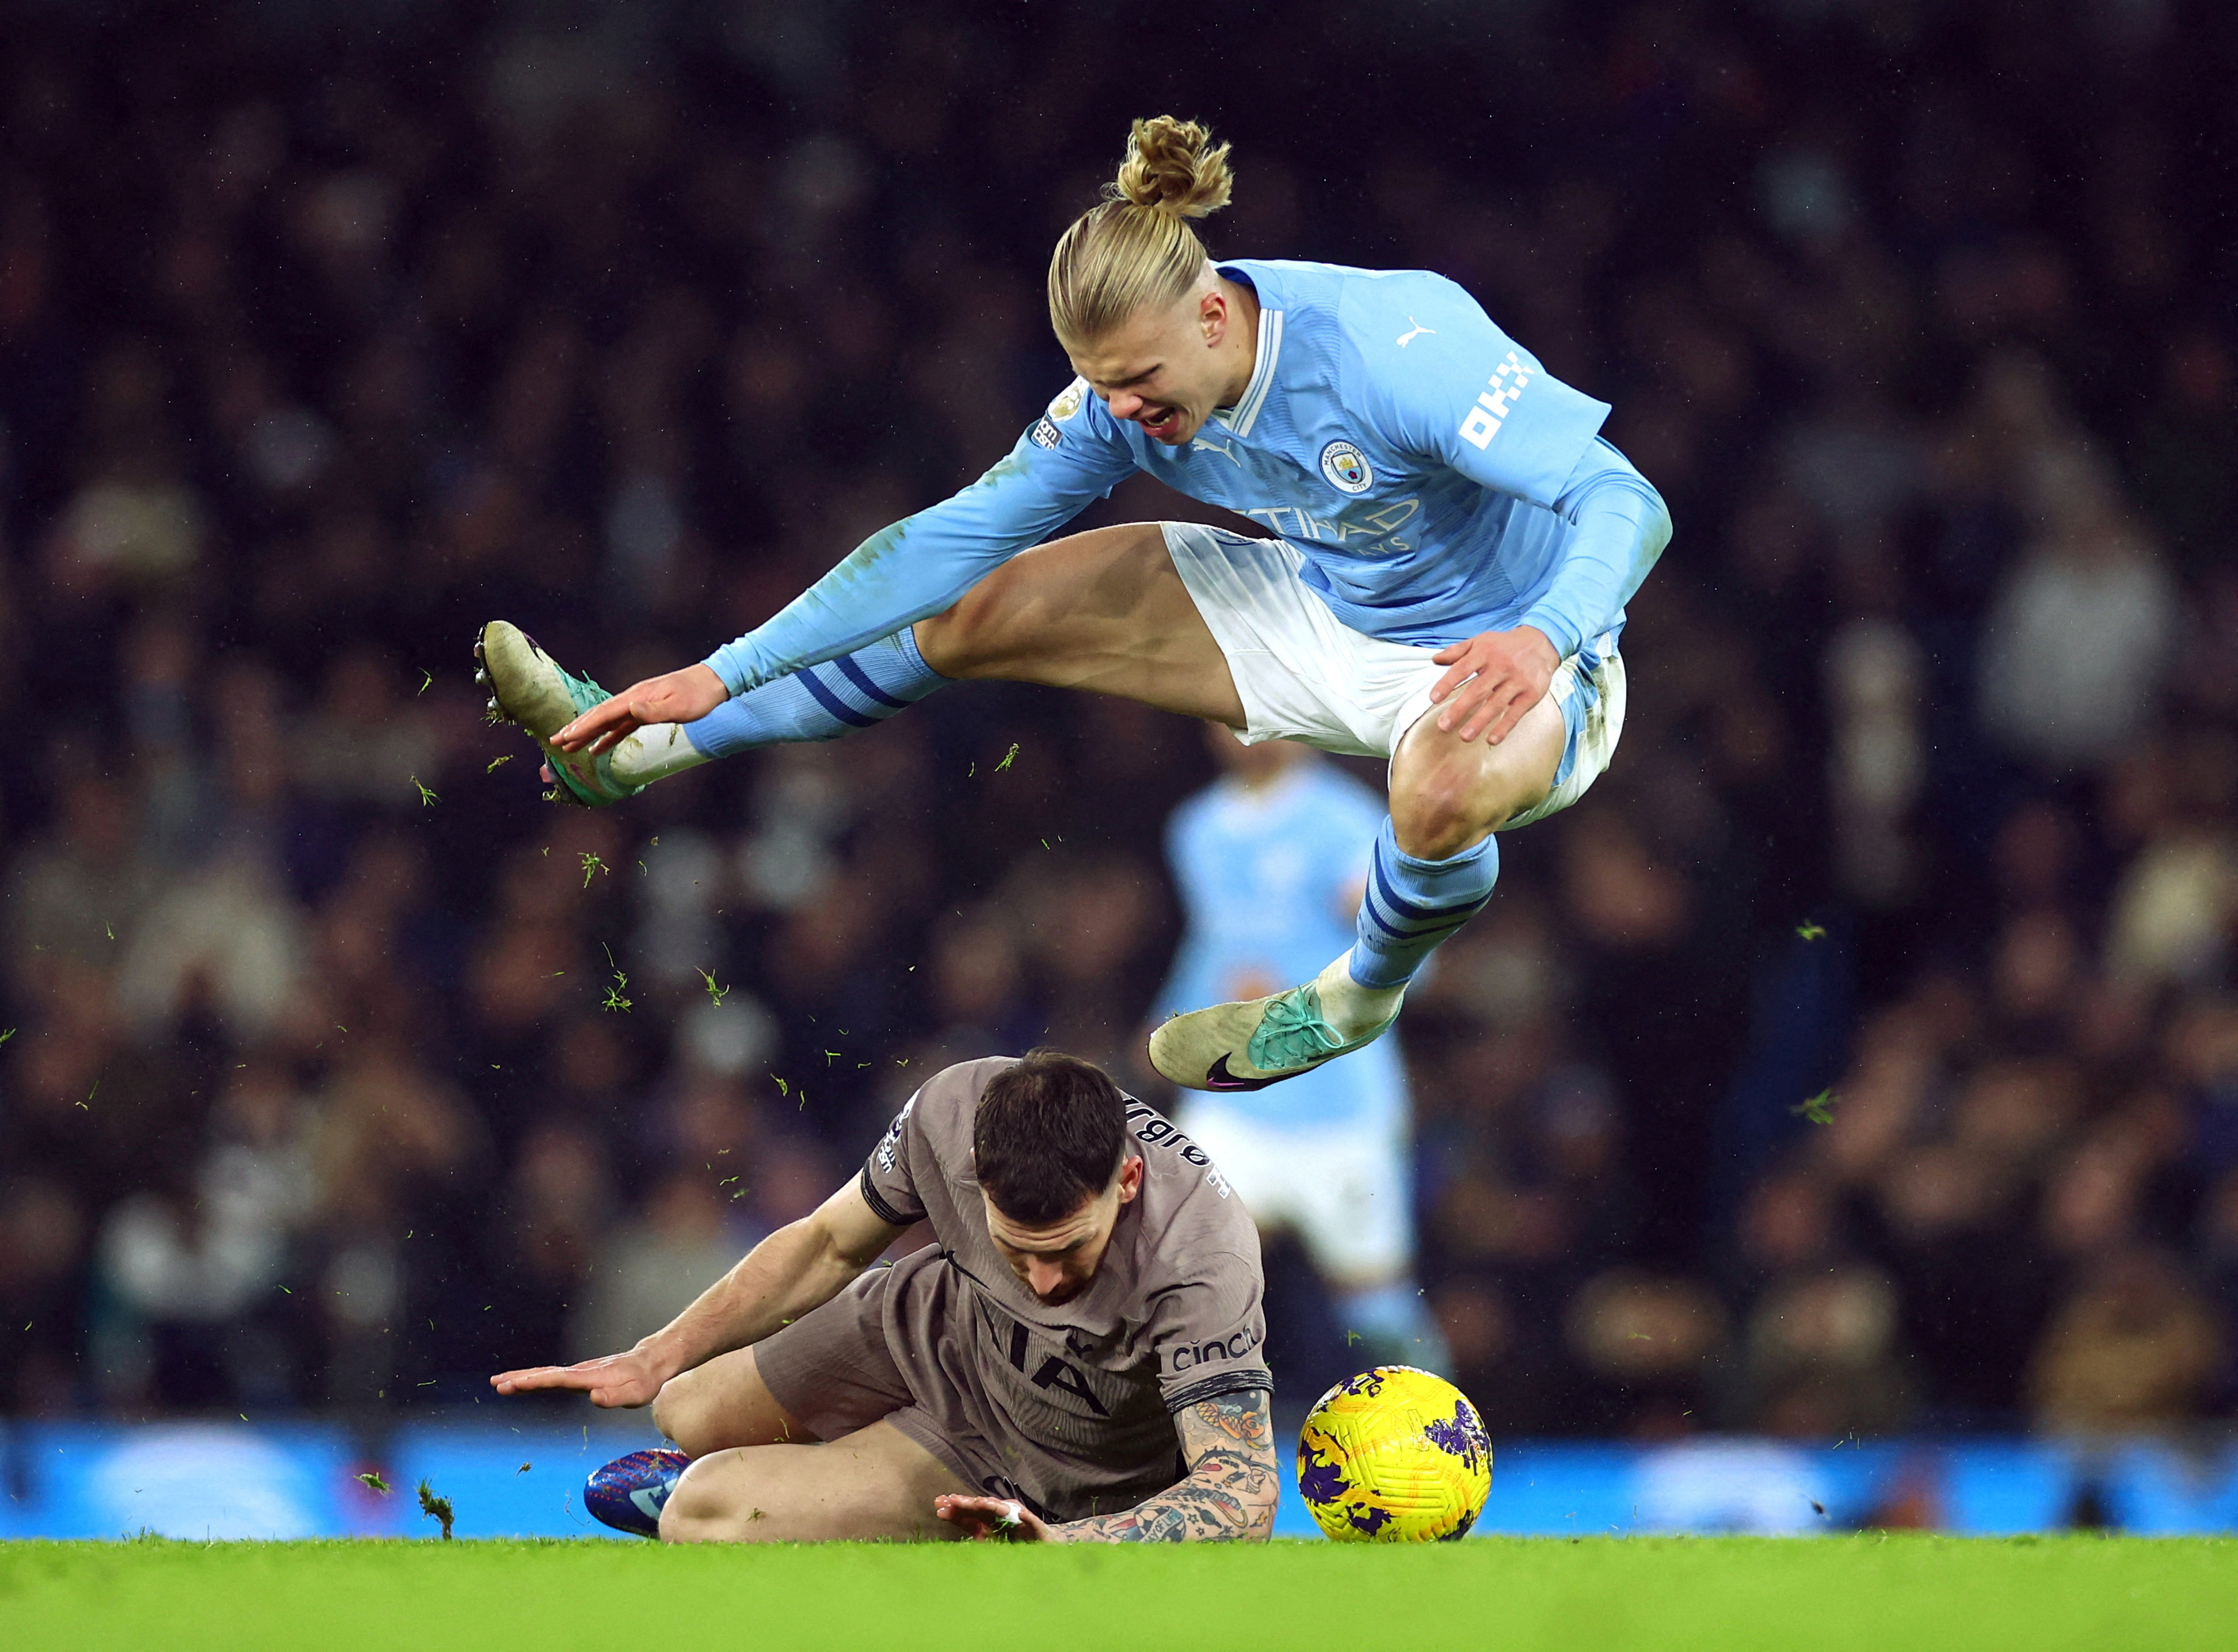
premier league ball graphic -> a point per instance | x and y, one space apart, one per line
1394 1454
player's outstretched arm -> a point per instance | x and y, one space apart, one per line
679 696
1229 1493
796 1270
1622 527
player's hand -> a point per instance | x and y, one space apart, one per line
680 697
1000 1518
1494 678
632 1379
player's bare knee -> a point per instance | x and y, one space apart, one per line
1435 836
667 1408
1438 816
679 1412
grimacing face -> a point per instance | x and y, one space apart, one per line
1058 1261
1167 370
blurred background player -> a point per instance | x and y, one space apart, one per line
1268 862
1456 544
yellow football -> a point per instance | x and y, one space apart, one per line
1394 1456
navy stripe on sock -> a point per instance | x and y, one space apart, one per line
1421 914
1403 908
1429 932
1376 918
1425 932
832 702
861 679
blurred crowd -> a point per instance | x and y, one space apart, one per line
1862 1053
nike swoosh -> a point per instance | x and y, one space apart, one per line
1217 1077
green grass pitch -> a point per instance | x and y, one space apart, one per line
1896 1594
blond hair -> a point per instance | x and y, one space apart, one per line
1135 247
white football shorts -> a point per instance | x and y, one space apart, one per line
1346 1191
1304 675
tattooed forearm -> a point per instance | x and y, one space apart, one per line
1230 1490
1239 1416
1199 1509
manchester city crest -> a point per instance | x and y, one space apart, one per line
1347 468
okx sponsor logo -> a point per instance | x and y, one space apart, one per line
1510 380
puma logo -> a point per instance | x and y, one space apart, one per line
1405 339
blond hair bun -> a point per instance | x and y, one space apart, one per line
1173 167
1134 249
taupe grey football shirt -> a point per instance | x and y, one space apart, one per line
1174 1316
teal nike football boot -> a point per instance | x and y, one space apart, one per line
1258 1041
527 687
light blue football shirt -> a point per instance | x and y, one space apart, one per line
1411 450
1269 880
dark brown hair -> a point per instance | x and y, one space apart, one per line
1048 1136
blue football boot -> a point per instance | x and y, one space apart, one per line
629 1493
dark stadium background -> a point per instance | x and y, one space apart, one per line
325 338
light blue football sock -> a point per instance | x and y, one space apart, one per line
856 690
1412 905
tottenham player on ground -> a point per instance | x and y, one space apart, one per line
1454 544
1268 861
1090 1300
